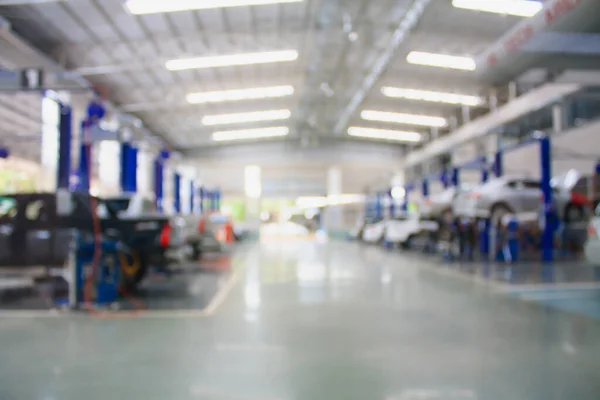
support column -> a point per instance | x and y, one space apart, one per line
64 147
253 191
192 197
158 183
392 203
455 180
378 205
548 212
498 164
425 188
202 200
333 213
85 161
485 173
558 117
129 155
177 192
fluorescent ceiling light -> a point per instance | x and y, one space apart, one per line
240 94
519 8
257 116
441 60
247 134
231 60
163 6
383 134
427 95
410 119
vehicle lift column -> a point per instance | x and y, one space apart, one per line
177 192
378 206
159 170
129 154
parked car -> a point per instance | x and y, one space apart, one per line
36 229
185 240
592 245
373 231
439 206
401 230
520 194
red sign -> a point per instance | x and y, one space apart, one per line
560 8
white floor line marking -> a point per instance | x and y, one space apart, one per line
207 311
222 295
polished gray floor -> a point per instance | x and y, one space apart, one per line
307 321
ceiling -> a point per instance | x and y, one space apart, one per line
338 42
342 64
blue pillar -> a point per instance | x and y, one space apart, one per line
378 206
64 147
85 154
455 179
445 179
498 165
392 204
425 187
548 212
218 200
158 183
406 195
485 173
202 194
128 168
177 192
192 197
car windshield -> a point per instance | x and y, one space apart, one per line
117 205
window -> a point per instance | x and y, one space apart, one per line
117 205
8 209
523 184
37 211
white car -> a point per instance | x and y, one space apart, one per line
400 230
374 232
592 245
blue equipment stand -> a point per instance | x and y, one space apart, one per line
107 274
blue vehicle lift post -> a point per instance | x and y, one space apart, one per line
392 203
549 216
64 147
129 155
378 206
192 197
177 192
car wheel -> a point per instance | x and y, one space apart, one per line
573 213
447 216
130 282
498 211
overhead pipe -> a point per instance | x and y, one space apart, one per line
409 21
521 48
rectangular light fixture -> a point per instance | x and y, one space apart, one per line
240 94
138 7
519 8
231 60
441 60
399 118
384 134
247 134
257 116
436 97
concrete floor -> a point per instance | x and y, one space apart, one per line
310 321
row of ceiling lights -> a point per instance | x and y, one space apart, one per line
523 8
